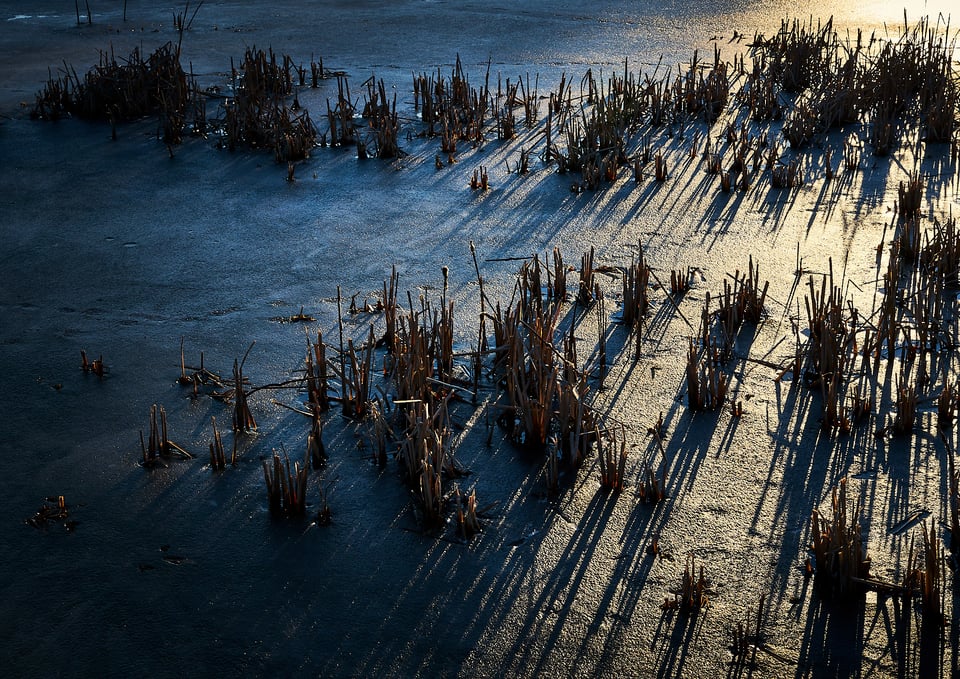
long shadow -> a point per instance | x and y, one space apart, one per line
832 641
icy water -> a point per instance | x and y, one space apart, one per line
114 248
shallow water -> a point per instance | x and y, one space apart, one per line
117 249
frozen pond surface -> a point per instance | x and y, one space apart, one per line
115 248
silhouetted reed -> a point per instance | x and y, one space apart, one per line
612 456
242 415
316 375
841 558
218 456
693 594
468 524
159 446
286 487
746 640
636 299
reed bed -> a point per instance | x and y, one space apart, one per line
117 90
258 115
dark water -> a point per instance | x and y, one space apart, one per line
114 248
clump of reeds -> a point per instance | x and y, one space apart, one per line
746 640
242 415
96 366
707 384
468 524
636 298
425 455
118 90
316 375
841 559
910 198
54 509
383 119
651 488
340 117
575 419
379 433
940 254
906 407
680 280
693 594
218 456
831 348
286 487
925 578
159 446
787 175
612 455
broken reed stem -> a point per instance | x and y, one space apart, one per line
242 416
218 457
468 524
159 446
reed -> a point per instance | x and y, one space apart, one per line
841 559
468 524
316 375
94 367
243 420
587 283
159 446
746 640
316 451
218 456
636 298
612 455
286 486
692 596
906 407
